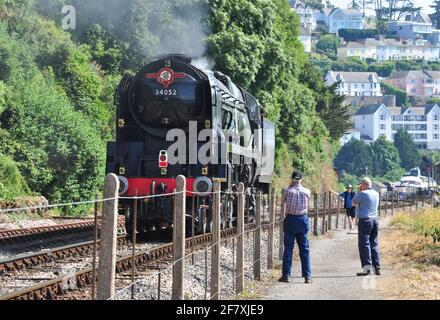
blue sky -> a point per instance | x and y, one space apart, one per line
423 3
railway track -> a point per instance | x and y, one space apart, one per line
58 287
73 284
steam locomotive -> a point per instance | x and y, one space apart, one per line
176 119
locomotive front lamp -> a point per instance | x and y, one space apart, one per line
205 171
123 185
121 170
121 123
207 124
203 186
163 171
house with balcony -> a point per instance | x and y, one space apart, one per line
416 83
355 83
416 26
340 18
390 49
422 123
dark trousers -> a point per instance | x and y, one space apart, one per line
368 230
296 227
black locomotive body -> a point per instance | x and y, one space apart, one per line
175 119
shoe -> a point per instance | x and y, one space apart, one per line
283 279
364 273
308 280
377 271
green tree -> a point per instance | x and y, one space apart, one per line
385 157
435 17
355 157
328 45
330 106
409 155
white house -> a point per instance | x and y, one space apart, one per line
414 27
390 49
422 123
355 83
344 19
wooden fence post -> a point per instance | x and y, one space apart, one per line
257 240
107 247
329 210
392 203
215 242
271 230
338 213
316 215
179 239
324 203
239 273
281 242
380 203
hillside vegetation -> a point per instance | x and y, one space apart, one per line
57 86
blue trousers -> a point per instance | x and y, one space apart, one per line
296 227
368 230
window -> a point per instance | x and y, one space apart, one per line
382 117
383 127
435 136
436 127
435 117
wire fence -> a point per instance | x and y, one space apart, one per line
262 243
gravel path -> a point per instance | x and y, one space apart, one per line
335 262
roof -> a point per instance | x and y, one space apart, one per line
413 74
368 109
371 42
347 12
433 74
396 111
424 18
359 77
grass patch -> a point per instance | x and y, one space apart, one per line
426 223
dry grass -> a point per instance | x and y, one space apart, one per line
414 255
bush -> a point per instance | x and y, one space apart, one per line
401 96
351 35
12 184
58 150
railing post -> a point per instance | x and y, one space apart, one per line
239 273
315 220
380 203
107 248
271 230
339 212
324 203
329 212
281 242
215 250
179 239
257 240
392 203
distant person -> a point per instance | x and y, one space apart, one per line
350 209
367 203
296 226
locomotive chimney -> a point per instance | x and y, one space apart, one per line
177 56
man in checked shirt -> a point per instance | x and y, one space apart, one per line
296 226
